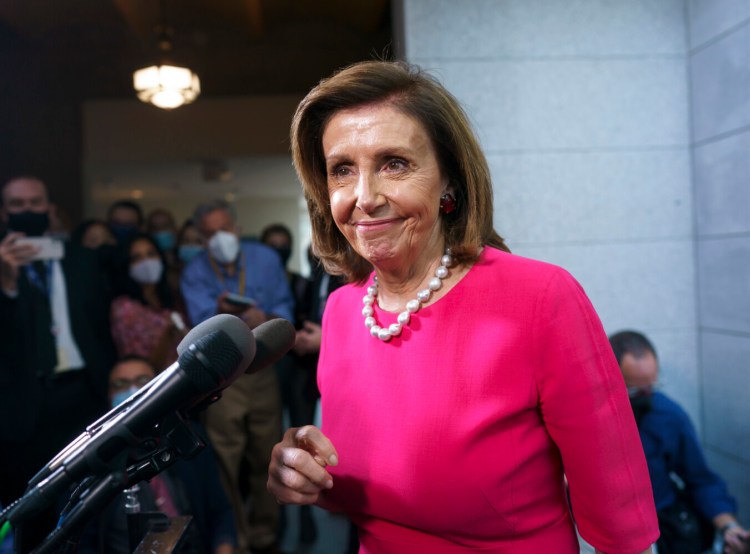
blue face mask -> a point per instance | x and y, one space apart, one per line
120 397
165 240
187 252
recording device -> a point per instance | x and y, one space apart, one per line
211 357
239 300
48 248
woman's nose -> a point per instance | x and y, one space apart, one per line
369 194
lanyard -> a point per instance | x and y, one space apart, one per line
220 274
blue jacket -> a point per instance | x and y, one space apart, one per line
265 282
671 445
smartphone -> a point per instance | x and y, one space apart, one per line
240 300
49 248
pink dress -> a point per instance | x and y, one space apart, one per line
453 437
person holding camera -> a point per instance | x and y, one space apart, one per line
247 280
55 345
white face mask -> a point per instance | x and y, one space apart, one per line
147 272
224 247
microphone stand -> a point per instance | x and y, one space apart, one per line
92 502
94 494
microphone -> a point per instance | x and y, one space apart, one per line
273 339
212 356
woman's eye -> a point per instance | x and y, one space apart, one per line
395 164
340 171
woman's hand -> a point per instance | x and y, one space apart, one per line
297 472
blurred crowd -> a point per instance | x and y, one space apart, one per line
86 326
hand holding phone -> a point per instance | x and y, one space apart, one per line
47 247
239 300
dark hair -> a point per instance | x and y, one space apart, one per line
276 229
125 284
22 177
157 212
630 342
76 237
127 204
408 89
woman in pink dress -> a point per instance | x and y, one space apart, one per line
145 319
460 385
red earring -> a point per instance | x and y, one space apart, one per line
447 203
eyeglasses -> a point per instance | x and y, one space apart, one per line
123 384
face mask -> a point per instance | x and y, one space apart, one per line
164 240
224 247
147 272
187 252
284 254
120 397
641 405
122 232
32 224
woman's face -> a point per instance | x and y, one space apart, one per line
142 249
384 183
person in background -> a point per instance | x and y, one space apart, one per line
320 287
55 345
59 222
146 318
457 380
189 487
92 234
246 280
125 219
189 243
685 488
161 226
293 378
298 389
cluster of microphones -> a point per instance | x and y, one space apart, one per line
150 431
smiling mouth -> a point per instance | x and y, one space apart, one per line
373 226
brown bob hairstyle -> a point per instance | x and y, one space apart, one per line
408 89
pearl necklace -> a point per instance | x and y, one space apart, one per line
412 306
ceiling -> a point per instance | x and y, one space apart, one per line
238 47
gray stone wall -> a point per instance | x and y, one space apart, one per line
594 121
719 56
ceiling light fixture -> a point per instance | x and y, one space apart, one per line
166 86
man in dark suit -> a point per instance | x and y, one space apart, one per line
55 344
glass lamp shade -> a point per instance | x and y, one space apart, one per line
166 86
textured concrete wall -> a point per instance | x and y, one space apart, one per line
618 135
719 55
583 110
